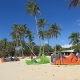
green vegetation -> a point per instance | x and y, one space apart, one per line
75 38
75 41
76 48
48 49
43 60
74 3
33 9
29 62
41 24
55 31
58 48
23 43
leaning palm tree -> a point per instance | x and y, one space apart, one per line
26 33
75 38
33 9
30 43
55 31
41 24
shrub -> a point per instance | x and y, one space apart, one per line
28 62
33 61
44 59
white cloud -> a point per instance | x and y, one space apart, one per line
78 22
66 46
46 42
62 41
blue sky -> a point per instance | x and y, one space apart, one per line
54 11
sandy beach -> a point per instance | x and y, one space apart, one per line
21 71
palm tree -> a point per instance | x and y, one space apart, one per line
40 36
58 48
3 45
26 33
74 3
30 38
10 48
19 33
15 36
55 31
33 9
41 24
48 35
22 35
75 38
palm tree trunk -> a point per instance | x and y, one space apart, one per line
16 45
22 50
40 47
48 41
55 46
43 39
38 35
22 46
37 28
43 46
30 49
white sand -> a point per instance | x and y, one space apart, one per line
21 71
